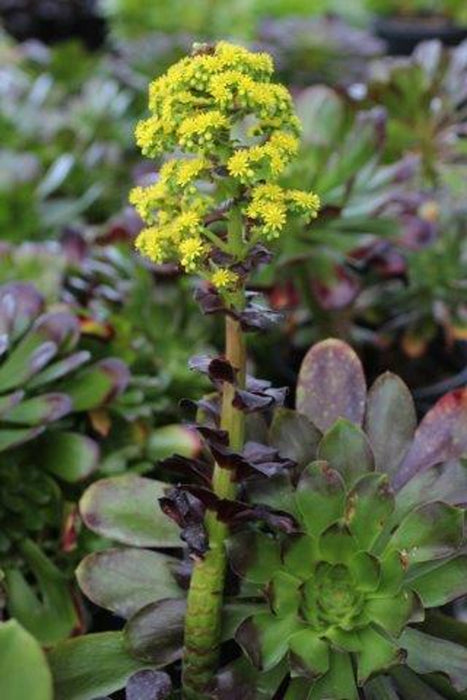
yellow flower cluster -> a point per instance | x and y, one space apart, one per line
233 132
271 204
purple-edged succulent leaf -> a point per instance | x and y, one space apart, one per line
265 638
432 531
70 456
254 556
346 449
127 579
59 369
172 439
96 385
155 633
294 436
442 435
10 401
378 653
320 497
427 654
92 665
443 583
19 436
126 509
368 507
331 385
148 685
390 421
39 410
308 655
447 482
20 304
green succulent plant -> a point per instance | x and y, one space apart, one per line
335 592
379 538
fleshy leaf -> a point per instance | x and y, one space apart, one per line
148 685
366 571
442 584
393 613
390 421
441 435
126 509
299 555
347 450
427 654
339 682
378 653
432 531
320 497
254 556
23 666
308 655
368 506
96 385
380 688
20 304
411 687
155 633
264 638
294 436
127 579
331 385
336 544
70 456
39 410
87 667
172 439
283 593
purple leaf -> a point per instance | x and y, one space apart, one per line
148 685
155 633
331 385
442 435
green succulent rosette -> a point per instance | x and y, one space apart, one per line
371 552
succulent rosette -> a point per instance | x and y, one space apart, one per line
379 535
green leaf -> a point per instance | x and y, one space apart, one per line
339 682
394 612
427 654
380 688
172 439
39 410
337 545
127 579
442 584
264 638
284 594
93 665
15 437
294 436
299 555
432 531
320 497
378 653
365 570
126 509
308 655
24 671
96 385
49 616
70 456
393 572
331 385
368 507
254 556
390 421
347 450
155 633
412 687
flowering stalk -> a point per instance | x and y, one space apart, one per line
212 208
203 618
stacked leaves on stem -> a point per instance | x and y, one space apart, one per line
348 534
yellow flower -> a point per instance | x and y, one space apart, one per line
239 165
191 249
150 244
306 201
223 278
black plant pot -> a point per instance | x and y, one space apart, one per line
403 34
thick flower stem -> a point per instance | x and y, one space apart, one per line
204 606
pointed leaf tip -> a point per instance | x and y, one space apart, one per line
331 384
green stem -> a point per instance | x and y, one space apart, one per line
205 596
